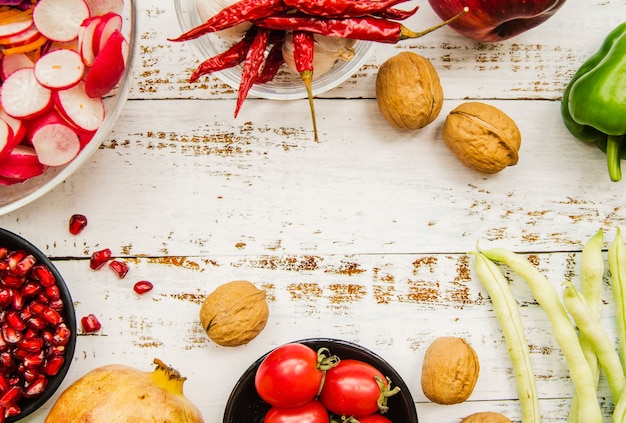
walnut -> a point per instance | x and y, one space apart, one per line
449 371
486 417
482 136
235 313
408 91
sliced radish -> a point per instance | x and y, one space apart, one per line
17 126
7 140
85 40
21 165
109 23
59 69
27 36
23 97
55 142
60 20
14 62
108 68
101 7
12 27
85 112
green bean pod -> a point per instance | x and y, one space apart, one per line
591 274
546 295
598 339
507 313
617 267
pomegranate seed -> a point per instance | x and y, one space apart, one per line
119 267
43 275
77 223
56 350
15 321
13 281
25 264
14 257
12 409
52 366
18 300
6 297
99 258
56 305
47 336
4 383
9 334
53 292
30 289
62 335
30 375
11 395
90 323
36 323
36 388
30 344
3 252
34 360
142 287
6 360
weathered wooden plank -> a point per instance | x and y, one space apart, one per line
185 178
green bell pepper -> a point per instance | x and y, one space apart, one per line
593 106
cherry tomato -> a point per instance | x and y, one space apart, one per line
353 388
374 418
289 376
310 412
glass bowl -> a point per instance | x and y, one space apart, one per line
15 242
286 85
18 195
245 405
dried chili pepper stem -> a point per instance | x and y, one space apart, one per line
303 47
406 33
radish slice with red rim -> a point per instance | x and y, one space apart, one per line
109 66
7 140
13 62
55 142
85 112
21 165
12 28
60 20
101 7
59 69
23 97
109 23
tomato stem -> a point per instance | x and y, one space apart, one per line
385 392
325 362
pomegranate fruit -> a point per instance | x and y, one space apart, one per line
120 393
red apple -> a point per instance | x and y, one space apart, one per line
491 21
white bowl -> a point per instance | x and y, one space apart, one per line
287 85
18 195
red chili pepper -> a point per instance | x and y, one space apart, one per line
303 48
242 11
252 65
227 59
341 8
273 62
368 28
397 14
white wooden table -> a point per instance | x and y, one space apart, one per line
361 236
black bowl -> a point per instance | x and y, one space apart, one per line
29 405
245 406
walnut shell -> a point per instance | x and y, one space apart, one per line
482 136
235 313
408 91
486 417
449 371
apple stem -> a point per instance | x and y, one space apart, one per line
406 33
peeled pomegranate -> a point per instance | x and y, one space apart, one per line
119 393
